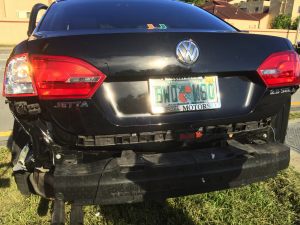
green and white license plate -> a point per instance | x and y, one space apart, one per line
184 94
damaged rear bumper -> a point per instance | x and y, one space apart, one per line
136 178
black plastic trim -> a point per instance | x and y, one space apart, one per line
136 178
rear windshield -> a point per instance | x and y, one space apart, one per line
115 14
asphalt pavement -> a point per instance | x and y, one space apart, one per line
292 140
6 118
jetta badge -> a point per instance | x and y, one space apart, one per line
187 52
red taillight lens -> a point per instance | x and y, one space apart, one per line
65 77
18 80
280 69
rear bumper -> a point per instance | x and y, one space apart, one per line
136 178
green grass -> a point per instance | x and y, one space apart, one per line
276 201
2 45
294 115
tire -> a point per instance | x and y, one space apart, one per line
20 139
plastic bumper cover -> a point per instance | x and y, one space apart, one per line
136 178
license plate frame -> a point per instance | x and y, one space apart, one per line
199 93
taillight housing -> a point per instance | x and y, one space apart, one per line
18 78
50 77
281 69
59 77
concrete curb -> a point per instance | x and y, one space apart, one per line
295 108
5 50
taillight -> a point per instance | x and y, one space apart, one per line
65 77
281 69
18 79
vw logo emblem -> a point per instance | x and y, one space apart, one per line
187 52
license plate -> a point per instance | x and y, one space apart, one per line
184 94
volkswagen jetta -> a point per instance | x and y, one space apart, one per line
127 101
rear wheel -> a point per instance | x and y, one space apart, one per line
20 139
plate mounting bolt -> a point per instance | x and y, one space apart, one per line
58 156
203 181
59 196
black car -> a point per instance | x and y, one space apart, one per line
127 101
